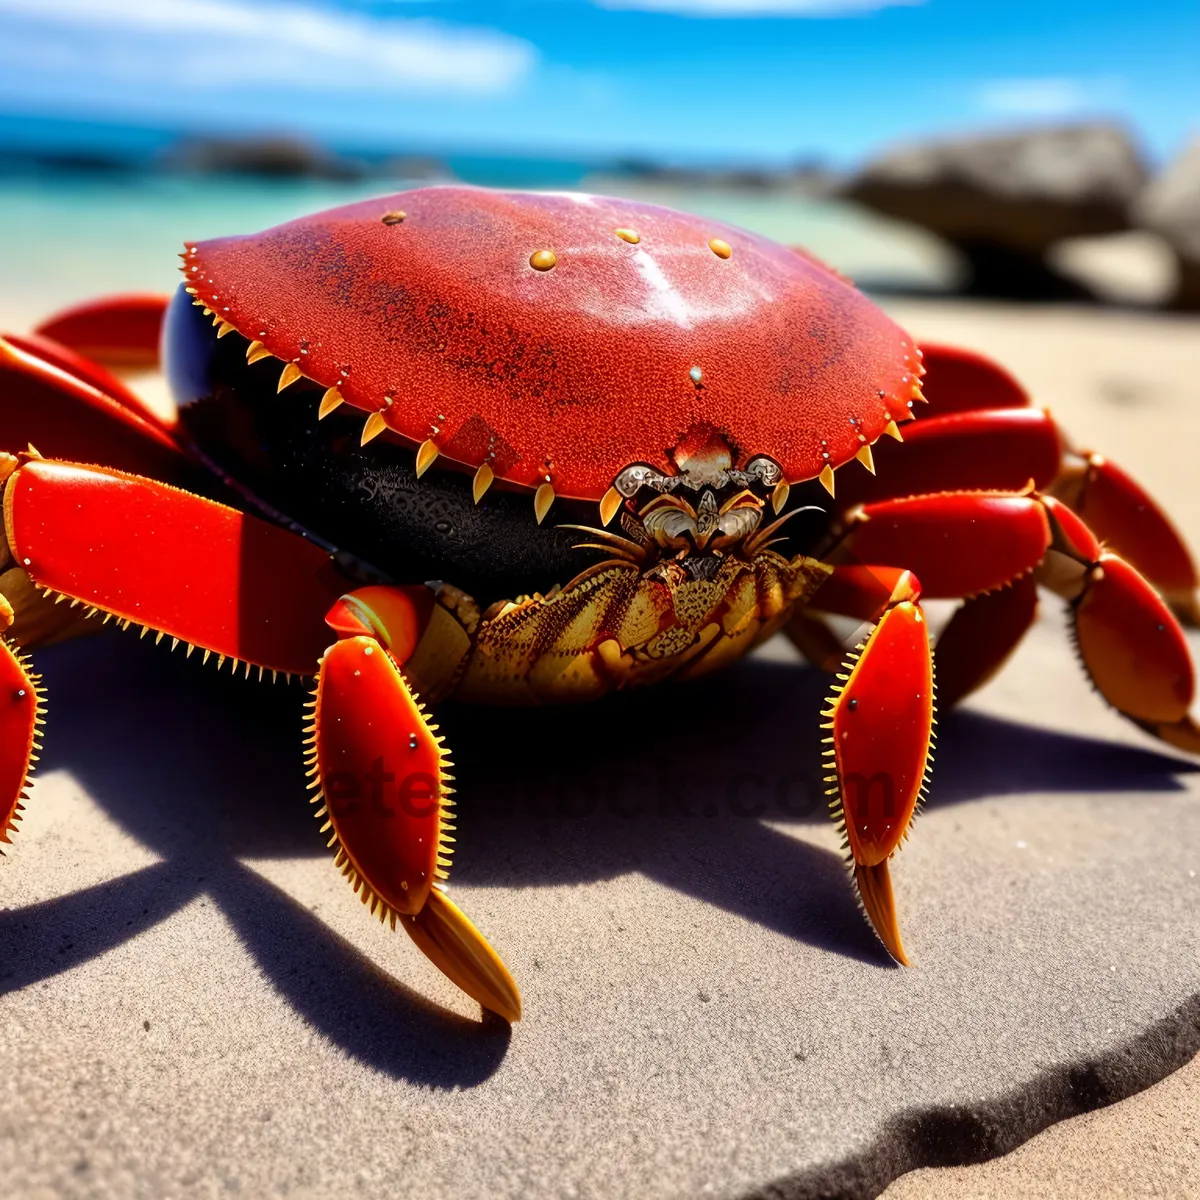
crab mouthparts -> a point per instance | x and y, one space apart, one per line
675 523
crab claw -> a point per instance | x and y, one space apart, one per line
384 779
881 726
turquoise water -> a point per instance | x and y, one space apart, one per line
63 237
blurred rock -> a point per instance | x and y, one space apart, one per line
417 168
1170 206
1135 268
275 156
1004 200
807 176
69 159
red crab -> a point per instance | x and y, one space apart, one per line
644 442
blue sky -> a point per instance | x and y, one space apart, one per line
746 80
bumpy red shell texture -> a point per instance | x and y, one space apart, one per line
608 357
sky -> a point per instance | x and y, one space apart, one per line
719 81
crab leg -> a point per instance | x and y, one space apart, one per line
960 380
382 775
118 331
1010 449
64 414
880 726
979 637
217 578
20 719
101 378
850 591
1129 522
153 555
879 733
982 633
964 544
985 435
1000 449
959 543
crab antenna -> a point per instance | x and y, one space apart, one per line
755 543
611 541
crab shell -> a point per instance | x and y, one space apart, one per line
557 338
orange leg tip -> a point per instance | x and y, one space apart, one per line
875 891
1184 605
1183 735
447 938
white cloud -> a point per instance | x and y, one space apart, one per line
760 8
227 42
1048 97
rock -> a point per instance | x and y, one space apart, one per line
1003 201
1134 268
418 169
272 156
806 176
1170 207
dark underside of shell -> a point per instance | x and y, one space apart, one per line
366 501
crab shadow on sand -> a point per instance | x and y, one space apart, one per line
676 783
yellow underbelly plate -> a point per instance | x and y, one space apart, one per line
612 627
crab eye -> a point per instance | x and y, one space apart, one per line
764 469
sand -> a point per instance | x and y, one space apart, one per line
1148 1145
193 1004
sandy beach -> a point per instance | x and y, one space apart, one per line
1122 382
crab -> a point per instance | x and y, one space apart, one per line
524 449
